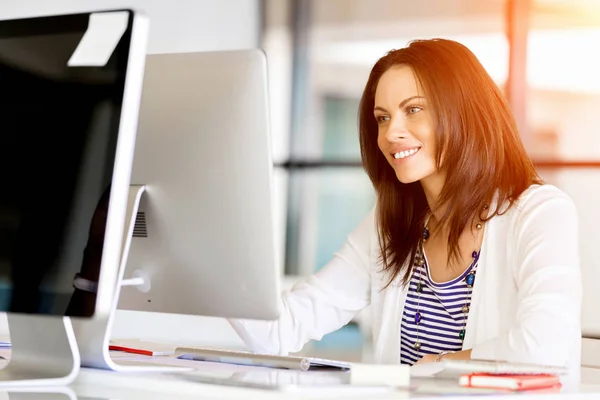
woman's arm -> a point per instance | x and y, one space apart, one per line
321 304
548 317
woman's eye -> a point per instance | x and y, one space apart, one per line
382 118
413 109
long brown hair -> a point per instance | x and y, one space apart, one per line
478 144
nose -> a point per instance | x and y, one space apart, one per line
397 130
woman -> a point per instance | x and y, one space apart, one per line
467 255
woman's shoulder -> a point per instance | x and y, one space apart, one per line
542 198
541 193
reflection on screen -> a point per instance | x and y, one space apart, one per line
58 136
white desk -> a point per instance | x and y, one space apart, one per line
109 385
100 384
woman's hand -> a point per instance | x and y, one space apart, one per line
459 355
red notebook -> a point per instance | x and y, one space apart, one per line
510 381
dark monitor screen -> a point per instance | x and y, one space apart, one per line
60 106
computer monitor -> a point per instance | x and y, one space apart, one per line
203 238
70 87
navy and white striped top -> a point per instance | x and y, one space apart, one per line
442 315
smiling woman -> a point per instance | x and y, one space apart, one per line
436 98
467 254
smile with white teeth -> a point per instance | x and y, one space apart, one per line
405 153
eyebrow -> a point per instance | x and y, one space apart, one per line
402 103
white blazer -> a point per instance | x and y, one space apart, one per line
526 304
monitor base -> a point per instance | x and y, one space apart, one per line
46 393
93 335
44 352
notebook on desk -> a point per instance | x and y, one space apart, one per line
453 369
261 360
511 382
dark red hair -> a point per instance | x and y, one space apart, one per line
478 144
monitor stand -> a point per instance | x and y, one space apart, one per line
46 393
43 352
93 334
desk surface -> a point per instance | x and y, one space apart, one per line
109 385
100 384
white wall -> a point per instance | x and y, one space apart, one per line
176 26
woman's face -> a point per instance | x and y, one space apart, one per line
406 136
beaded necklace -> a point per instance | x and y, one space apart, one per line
469 280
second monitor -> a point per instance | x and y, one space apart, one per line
203 241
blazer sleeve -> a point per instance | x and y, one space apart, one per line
549 293
323 303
